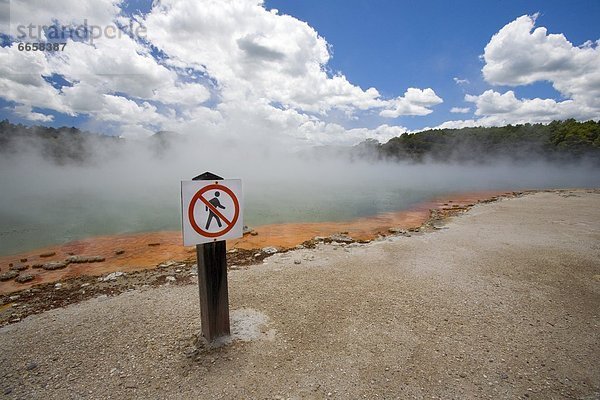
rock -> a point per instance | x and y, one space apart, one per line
247 230
23 260
51 266
15 297
113 276
397 230
319 238
119 252
7 276
84 259
58 286
24 278
231 251
340 237
257 255
269 250
19 267
153 244
171 278
37 265
253 233
85 285
297 262
48 254
167 264
31 366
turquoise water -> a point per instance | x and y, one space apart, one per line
40 207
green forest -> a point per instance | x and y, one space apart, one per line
558 141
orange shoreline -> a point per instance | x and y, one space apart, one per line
147 250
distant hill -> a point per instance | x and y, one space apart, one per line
60 145
558 141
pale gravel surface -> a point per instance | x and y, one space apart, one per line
504 302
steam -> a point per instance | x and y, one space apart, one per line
135 186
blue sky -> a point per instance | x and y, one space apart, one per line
394 44
317 72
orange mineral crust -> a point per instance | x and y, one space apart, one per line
132 252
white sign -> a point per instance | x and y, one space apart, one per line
211 210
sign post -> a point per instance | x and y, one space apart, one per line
211 212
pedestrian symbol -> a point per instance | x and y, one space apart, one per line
211 210
211 214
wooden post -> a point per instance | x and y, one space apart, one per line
212 283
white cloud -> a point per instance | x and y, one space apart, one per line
27 113
414 102
460 110
265 74
520 55
460 81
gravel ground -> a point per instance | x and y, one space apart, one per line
502 302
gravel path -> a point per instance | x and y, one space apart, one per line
503 302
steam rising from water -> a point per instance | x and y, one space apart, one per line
136 187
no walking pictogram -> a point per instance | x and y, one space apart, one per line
211 210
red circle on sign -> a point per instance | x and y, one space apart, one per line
195 199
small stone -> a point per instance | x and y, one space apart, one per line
397 230
48 254
171 278
51 266
23 260
153 244
297 262
84 259
58 285
113 276
7 391
31 366
253 233
37 265
7 276
24 278
269 250
119 252
85 284
339 237
15 297
257 255
19 267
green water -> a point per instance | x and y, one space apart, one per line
54 207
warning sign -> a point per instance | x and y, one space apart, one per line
211 210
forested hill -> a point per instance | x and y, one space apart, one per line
60 145
557 141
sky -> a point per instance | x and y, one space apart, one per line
298 72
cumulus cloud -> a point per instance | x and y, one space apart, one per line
520 55
211 67
414 102
460 110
